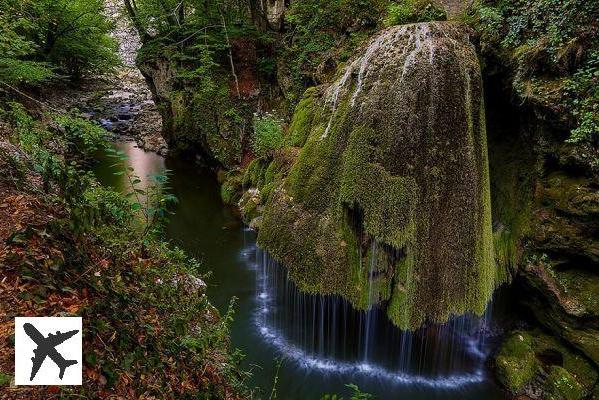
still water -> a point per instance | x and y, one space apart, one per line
318 341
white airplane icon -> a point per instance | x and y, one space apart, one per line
46 347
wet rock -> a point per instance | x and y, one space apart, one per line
561 277
516 364
565 303
250 204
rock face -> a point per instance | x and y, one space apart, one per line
563 285
388 201
210 115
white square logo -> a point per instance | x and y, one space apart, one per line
48 350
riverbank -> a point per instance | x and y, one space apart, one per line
71 247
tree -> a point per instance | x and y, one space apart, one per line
42 38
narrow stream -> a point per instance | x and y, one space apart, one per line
319 340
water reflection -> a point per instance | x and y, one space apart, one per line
144 164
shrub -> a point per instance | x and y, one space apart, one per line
411 11
85 136
268 135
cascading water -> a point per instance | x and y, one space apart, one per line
325 333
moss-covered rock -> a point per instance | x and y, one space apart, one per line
231 187
560 385
516 364
564 301
394 169
534 362
302 119
199 117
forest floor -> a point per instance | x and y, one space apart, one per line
24 218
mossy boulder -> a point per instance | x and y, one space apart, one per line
516 364
560 385
564 301
231 188
394 169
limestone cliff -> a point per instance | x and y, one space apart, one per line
388 201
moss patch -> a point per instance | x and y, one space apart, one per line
516 363
560 385
562 371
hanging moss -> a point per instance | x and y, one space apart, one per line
302 119
394 171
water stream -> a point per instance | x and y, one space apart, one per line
322 343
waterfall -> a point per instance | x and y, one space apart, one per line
399 137
323 332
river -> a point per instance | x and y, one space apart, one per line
317 341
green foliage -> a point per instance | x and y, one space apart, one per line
321 33
139 327
39 38
16 50
410 11
356 394
552 47
84 137
268 135
77 139
583 90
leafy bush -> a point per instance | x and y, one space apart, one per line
411 11
83 136
268 135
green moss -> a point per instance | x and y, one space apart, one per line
583 285
516 363
254 173
512 170
560 385
302 119
206 120
230 190
5 379
250 210
524 353
387 178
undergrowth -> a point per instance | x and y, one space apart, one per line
126 283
